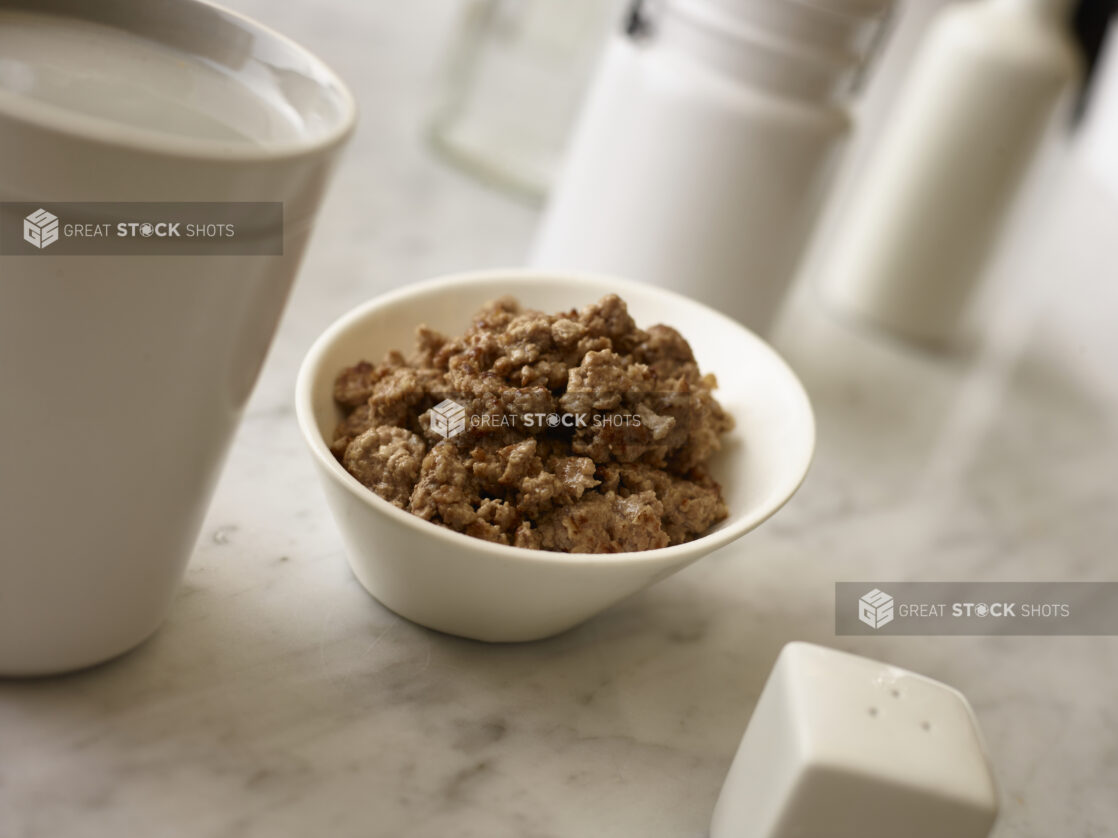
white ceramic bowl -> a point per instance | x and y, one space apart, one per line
465 586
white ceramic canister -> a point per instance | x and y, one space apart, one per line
913 242
706 146
1099 138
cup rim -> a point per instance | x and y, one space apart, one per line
90 128
310 372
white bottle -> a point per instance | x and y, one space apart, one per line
914 240
706 146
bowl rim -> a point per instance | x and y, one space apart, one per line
304 411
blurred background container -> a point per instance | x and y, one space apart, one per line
514 76
707 145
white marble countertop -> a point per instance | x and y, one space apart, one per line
280 700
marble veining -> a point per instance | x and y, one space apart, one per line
280 700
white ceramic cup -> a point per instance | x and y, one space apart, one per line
123 377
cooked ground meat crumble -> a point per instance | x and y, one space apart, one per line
583 433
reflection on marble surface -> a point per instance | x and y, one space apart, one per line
279 699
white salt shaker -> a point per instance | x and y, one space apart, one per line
841 746
706 146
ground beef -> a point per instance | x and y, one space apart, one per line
582 433
387 460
